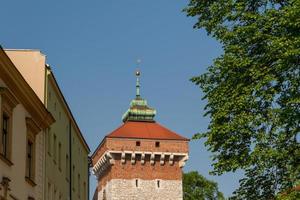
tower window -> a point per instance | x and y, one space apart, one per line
136 183
157 144
158 183
138 143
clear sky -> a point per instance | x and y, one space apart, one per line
92 47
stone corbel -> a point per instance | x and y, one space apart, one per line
123 158
183 161
152 159
162 159
133 158
143 158
171 159
110 158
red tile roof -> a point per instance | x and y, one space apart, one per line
144 130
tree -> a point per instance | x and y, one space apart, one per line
253 92
197 187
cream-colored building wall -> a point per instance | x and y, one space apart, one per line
31 64
19 187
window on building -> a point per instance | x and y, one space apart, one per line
49 141
138 143
29 160
78 185
59 156
49 95
136 183
8 102
55 194
32 131
73 178
158 183
67 167
54 148
5 136
104 194
157 144
49 192
84 190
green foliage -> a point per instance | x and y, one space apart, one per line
197 187
253 92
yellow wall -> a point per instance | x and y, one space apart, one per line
63 128
31 64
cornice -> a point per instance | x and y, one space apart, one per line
9 98
23 92
32 125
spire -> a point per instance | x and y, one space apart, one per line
137 74
139 109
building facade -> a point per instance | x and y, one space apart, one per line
141 159
65 150
24 121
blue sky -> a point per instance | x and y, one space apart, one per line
93 46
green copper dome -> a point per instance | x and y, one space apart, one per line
139 109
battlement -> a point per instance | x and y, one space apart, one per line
109 158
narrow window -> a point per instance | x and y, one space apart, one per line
157 144
78 185
158 183
136 183
49 191
49 142
104 194
30 151
55 193
138 143
5 129
67 167
54 148
84 190
73 178
29 169
59 156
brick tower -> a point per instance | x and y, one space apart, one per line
141 159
